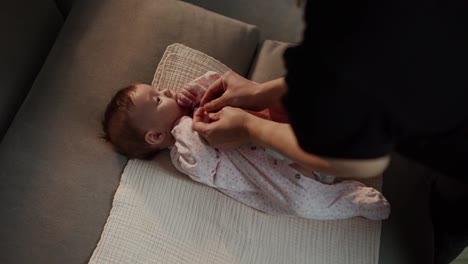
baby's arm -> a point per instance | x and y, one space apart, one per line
191 94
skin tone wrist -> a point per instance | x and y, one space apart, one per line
249 123
271 92
280 137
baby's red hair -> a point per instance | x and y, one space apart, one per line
119 129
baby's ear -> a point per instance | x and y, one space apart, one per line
154 138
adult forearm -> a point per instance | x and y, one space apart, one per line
280 137
270 93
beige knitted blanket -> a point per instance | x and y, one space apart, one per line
161 216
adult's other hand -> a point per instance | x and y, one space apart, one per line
232 90
224 129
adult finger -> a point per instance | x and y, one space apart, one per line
215 116
215 90
199 115
198 121
216 104
205 117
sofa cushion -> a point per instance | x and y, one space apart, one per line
29 28
269 64
181 64
58 177
280 20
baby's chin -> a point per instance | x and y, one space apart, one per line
183 112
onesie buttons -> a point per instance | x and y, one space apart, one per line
298 176
253 147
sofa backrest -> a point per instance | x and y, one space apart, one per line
29 29
269 64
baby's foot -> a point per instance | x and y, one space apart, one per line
326 179
372 204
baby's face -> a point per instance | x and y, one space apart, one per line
157 110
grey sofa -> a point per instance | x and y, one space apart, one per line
57 177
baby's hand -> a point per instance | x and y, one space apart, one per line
189 95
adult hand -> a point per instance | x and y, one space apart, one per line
232 90
225 129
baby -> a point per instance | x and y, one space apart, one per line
140 121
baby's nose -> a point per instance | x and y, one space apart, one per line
167 92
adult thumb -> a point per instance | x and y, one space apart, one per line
216 104
214 116
200 127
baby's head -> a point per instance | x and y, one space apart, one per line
139 119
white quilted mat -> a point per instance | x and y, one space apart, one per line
161 216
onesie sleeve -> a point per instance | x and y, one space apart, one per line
191 155
199 86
